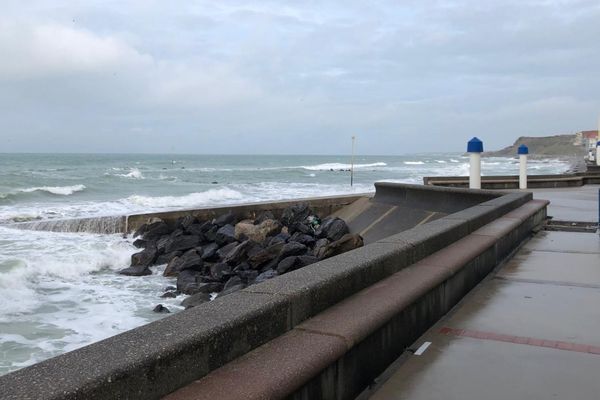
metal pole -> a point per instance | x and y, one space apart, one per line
352 164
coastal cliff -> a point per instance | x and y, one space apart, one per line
558 145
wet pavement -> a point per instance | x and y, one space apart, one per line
571 204
529 331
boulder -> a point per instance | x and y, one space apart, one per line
266 275
168 295
238 254
302 238
186 281
279 238
287 264
226 219
332 229
209 251
233 281
292 249
263 216
220 271
185 222
319 245
211 234
139 270
303 261
182 243
231 289
225 234
346 243
189 260
161 309
224 251
257 233
166 258
295 213
145 257
196 230
299 227
195 300
156 229
266 255
248 276
140 243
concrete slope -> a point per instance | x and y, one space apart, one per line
375 220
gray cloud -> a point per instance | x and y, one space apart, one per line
264 77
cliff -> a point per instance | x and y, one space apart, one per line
558 145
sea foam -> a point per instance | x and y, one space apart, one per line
338 166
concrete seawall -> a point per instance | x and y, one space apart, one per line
325 312
512 181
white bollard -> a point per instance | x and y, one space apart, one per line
597 153
523 151
475 148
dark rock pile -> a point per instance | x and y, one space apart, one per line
225 255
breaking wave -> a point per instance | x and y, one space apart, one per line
338 166
56 190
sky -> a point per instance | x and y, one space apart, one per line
294 77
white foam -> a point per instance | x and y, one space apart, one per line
58 190
414 162
190 200
133 173
338 166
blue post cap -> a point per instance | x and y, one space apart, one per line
475 146
597 143
523 149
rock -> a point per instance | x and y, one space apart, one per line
279 238
139 270
303 261
239 253
292 249
225 234
182 243
195 230
185 222
266 255
248 276
224 251
233 281
319 245
225 219
161 309
231 289
140 243
211 234
244 266
145 257
166 258
295 213
287 264
302 238
156 229
220 271
268 274
209 251
186 281
195 300
169 288
169 295
189 260
332 229
299 227
263 216
346 243
257 233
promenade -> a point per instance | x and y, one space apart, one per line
529 331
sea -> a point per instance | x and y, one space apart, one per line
60 291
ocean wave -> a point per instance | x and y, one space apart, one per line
414 162
133 173
56 190
338 166
213 196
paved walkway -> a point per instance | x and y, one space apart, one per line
530 331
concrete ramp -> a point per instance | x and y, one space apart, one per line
375 220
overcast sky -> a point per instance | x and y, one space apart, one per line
294 76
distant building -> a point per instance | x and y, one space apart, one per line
586 138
